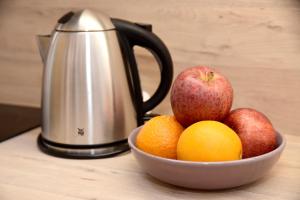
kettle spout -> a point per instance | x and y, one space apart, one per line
43 44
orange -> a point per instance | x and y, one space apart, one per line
159 136
209 141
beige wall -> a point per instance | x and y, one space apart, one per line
255 43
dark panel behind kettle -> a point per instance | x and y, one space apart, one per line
15 120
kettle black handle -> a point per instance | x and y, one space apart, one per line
133 34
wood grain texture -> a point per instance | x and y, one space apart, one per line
256 44
27 173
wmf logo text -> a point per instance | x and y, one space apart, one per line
80 131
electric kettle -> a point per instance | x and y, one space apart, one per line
92 97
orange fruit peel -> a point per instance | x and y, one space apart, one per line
209 141
159 136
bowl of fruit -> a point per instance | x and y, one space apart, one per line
205 145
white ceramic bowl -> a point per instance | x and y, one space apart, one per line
206 175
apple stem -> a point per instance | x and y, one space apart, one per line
210 76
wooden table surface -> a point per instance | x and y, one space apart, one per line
27 174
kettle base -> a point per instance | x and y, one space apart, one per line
82 151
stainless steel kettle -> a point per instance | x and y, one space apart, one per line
91 97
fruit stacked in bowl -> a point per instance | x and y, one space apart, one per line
205 135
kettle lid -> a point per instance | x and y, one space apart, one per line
84 21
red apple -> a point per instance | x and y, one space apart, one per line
254 129
200 93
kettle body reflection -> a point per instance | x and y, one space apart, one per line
91 98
